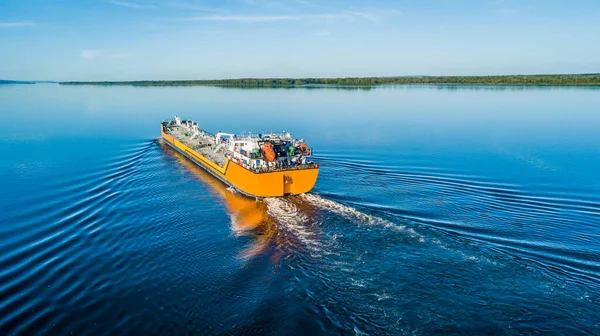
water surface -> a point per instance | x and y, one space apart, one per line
462 210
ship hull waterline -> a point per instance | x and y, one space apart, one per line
246 182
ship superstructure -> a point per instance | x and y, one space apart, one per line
260 165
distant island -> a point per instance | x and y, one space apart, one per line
567 80
4 81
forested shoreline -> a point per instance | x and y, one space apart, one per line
569 80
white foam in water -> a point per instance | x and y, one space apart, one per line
287 215
235 226
357 216
382 296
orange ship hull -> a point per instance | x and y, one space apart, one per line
247 182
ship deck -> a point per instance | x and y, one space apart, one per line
200 144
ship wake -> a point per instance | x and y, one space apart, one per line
291 219
357 216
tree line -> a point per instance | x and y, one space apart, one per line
575 79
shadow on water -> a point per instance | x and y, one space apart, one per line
248 216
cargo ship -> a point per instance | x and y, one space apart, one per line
255 165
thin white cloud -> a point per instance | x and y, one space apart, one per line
91 54
323 32
16 24
132 4
271 18
366 15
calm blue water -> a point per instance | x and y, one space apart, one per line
470 210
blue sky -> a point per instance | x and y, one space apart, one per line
188 39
